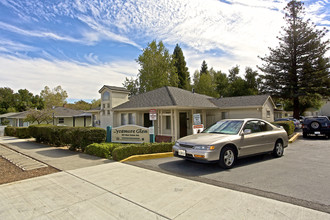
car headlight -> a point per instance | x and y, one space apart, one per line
203 147
177 144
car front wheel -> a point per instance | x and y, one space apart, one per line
278 149
227 157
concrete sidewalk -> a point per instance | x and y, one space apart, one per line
61 159
121 191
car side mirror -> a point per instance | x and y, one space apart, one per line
247 131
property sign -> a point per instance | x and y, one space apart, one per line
198 129
152 114
197 119
130 134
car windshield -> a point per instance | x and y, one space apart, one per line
225 127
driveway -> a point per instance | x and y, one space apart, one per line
300 177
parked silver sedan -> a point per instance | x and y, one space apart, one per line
229 139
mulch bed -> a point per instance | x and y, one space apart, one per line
10 172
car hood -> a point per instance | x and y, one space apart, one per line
206 139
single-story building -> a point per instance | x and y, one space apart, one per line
61 117
176 108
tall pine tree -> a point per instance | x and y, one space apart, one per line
182 69
297 68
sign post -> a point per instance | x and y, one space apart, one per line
152 117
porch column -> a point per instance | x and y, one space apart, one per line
172 125
175 124
204 118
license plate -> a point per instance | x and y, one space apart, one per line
317 132
182 153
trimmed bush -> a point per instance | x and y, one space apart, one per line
82 137
287 125
77 138
23 132
102 150
123 152
10 131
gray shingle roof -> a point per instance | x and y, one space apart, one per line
240 101
167 96
66 112
115 88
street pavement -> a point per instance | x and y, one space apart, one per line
115 190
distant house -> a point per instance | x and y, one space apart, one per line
61 117
175 109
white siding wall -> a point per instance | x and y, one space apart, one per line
244 113
268 106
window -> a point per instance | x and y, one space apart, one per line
131 118
168 122
253 125
224 115
123 119
108 105
108 112
106 96
264 126
60 120
268 113
103 106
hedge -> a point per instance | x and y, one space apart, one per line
10 131
23 132
76 137
125 151
287 125
102 150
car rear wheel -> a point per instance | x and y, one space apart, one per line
227 157
278 149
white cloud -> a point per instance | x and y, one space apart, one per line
40 34
81 81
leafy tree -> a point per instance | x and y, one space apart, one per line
7 99
55 97
204 84
39 116
252 81
79 105
182 69
95 103
156 68
204 68
20 101
132 85
297 67
310 101
222 84
233 74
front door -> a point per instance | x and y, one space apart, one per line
183 124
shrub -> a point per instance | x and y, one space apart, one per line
101 150
287 125
123 152
23 132
78 138
82 137
10 131
40 132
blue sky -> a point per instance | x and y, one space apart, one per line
83 45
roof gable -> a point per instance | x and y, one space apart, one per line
114 88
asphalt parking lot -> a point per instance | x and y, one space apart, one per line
300 177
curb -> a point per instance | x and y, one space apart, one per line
147 157
294 138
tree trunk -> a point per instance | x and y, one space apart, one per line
296 108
